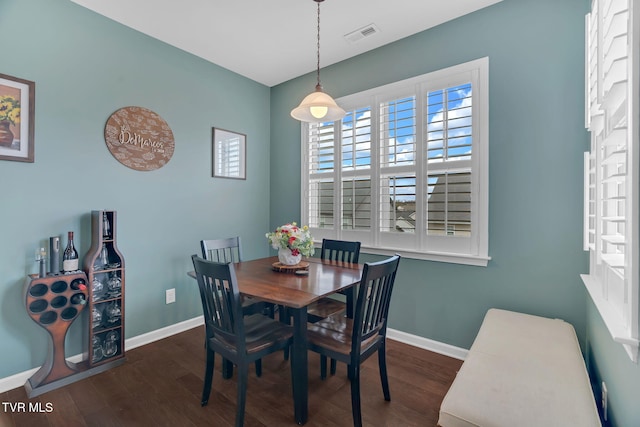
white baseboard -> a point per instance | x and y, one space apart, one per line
165 332
427 344
18 380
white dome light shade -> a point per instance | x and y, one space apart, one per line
318 107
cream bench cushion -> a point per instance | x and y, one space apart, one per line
522 371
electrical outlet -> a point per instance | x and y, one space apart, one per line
605 403
170 296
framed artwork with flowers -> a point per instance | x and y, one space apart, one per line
17 115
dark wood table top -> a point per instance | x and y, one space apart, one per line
256 278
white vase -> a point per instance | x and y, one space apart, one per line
287 258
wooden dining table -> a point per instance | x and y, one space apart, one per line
258 279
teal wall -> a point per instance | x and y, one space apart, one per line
537 137
86 67
608 361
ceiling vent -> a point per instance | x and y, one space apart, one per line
366 31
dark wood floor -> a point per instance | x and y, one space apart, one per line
160 385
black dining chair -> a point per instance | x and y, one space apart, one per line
334 250
240 339
230 250
352 341
343 251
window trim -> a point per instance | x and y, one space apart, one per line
612 110
436 80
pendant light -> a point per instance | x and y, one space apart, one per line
318 106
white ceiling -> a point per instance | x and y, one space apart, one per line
274 41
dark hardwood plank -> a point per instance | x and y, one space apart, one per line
160 385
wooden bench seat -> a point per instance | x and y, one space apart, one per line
522 371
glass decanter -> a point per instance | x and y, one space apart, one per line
97 289
111 344
96 318
113 313
96 345
114 285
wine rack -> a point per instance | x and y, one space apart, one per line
54 302
104 265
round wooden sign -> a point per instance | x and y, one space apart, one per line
139 138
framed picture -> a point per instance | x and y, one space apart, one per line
17 115
229 154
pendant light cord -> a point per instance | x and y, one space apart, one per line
318 86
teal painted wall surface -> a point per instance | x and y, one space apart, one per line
608 361
86 67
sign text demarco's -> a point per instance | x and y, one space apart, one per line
126 137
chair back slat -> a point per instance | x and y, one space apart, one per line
340 250
374 297
221 301
222 250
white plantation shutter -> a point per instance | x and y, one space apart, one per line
590 219
355 158
410 160
449 124
398 203
449 158
398 167
398 132
449 204
356 203
356 140
593 114
321 175
611 184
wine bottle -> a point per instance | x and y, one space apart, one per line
104 256
78 285
70 257
106 227
78 299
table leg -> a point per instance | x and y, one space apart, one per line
351 297
227 369
300 365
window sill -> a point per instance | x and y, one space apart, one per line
452 258
477 261
615 324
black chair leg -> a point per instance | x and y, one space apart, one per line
259 368
227 369
382 363
334 364
354 374
208 377
242 394
283 316
323 366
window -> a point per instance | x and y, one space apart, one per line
406 169
611 180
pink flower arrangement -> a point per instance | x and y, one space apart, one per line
290 236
